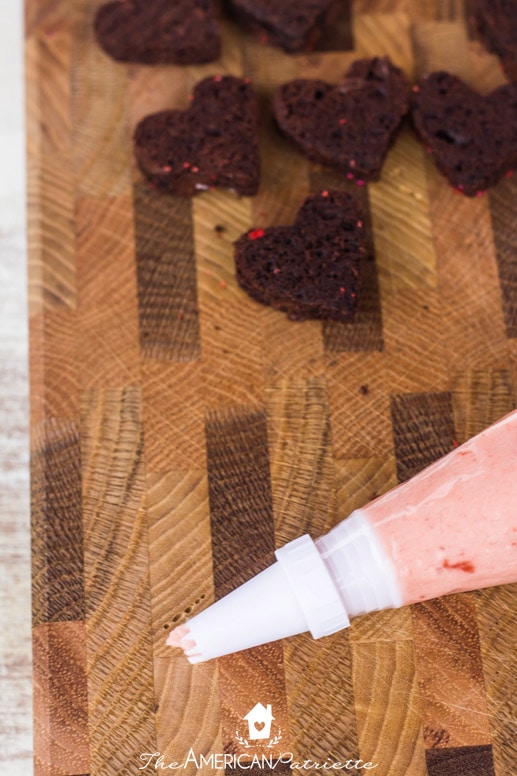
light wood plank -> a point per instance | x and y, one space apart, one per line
118 626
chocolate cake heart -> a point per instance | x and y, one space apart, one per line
294 25
473 138
212 144
349 126
310 269
153 31
496 23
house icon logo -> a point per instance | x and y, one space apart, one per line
259 720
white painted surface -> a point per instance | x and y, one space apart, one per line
15 633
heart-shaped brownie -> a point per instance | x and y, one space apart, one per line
349 126
153 31
310 269
212 144
473 138
294 25
496 23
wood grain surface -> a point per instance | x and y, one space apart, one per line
181 432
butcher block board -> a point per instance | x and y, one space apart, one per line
181 431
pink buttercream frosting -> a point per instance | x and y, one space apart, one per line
453 527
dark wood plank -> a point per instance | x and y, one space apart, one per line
239 487
340 37
241 516
57 532
480 397
503 211
460 761
470 20
423 430
166 275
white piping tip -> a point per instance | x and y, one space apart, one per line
179 637
293 595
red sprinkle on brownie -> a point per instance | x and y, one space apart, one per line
496 23
212 144
293 25
473 138
159 31
310 269
349 126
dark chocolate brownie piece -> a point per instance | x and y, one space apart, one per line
473 138
153 31
496 23
294 25
310 269
349 126
211 144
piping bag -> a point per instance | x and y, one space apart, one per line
449 529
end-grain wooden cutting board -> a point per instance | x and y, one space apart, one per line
181 431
